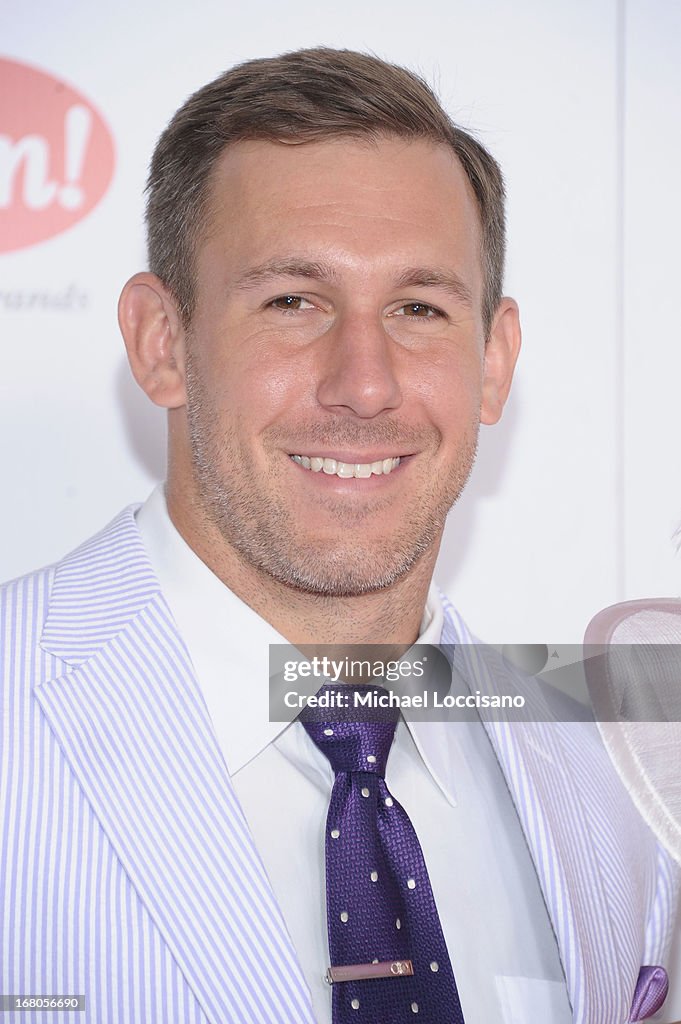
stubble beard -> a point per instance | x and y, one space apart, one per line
263 529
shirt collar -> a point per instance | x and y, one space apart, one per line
228 642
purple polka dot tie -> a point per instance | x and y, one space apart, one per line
382 918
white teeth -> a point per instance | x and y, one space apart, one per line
346 470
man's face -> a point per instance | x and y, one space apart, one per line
338 318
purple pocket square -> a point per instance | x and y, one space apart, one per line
650 993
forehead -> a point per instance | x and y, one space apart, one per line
359 200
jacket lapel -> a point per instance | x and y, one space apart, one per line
595 863
131 721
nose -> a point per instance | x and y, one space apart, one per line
357 371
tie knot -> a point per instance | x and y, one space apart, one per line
351 745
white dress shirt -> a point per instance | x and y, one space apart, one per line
445 775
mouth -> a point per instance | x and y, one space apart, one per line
348 470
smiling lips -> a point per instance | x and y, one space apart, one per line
345 470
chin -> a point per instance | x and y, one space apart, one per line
340 573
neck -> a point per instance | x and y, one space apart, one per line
391 616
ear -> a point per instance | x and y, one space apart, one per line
154 338
501 352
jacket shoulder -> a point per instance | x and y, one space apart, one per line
22 598
68 589
23 609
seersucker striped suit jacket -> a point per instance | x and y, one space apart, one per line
127 870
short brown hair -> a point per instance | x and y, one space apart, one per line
304 96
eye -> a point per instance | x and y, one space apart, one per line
418 311
290 303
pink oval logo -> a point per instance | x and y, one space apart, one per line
56 156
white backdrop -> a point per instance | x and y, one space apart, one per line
576 494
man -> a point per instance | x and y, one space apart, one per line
324 321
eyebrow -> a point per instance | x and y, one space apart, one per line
288 267
435 277
317 270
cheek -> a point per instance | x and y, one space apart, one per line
450 389
256 386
